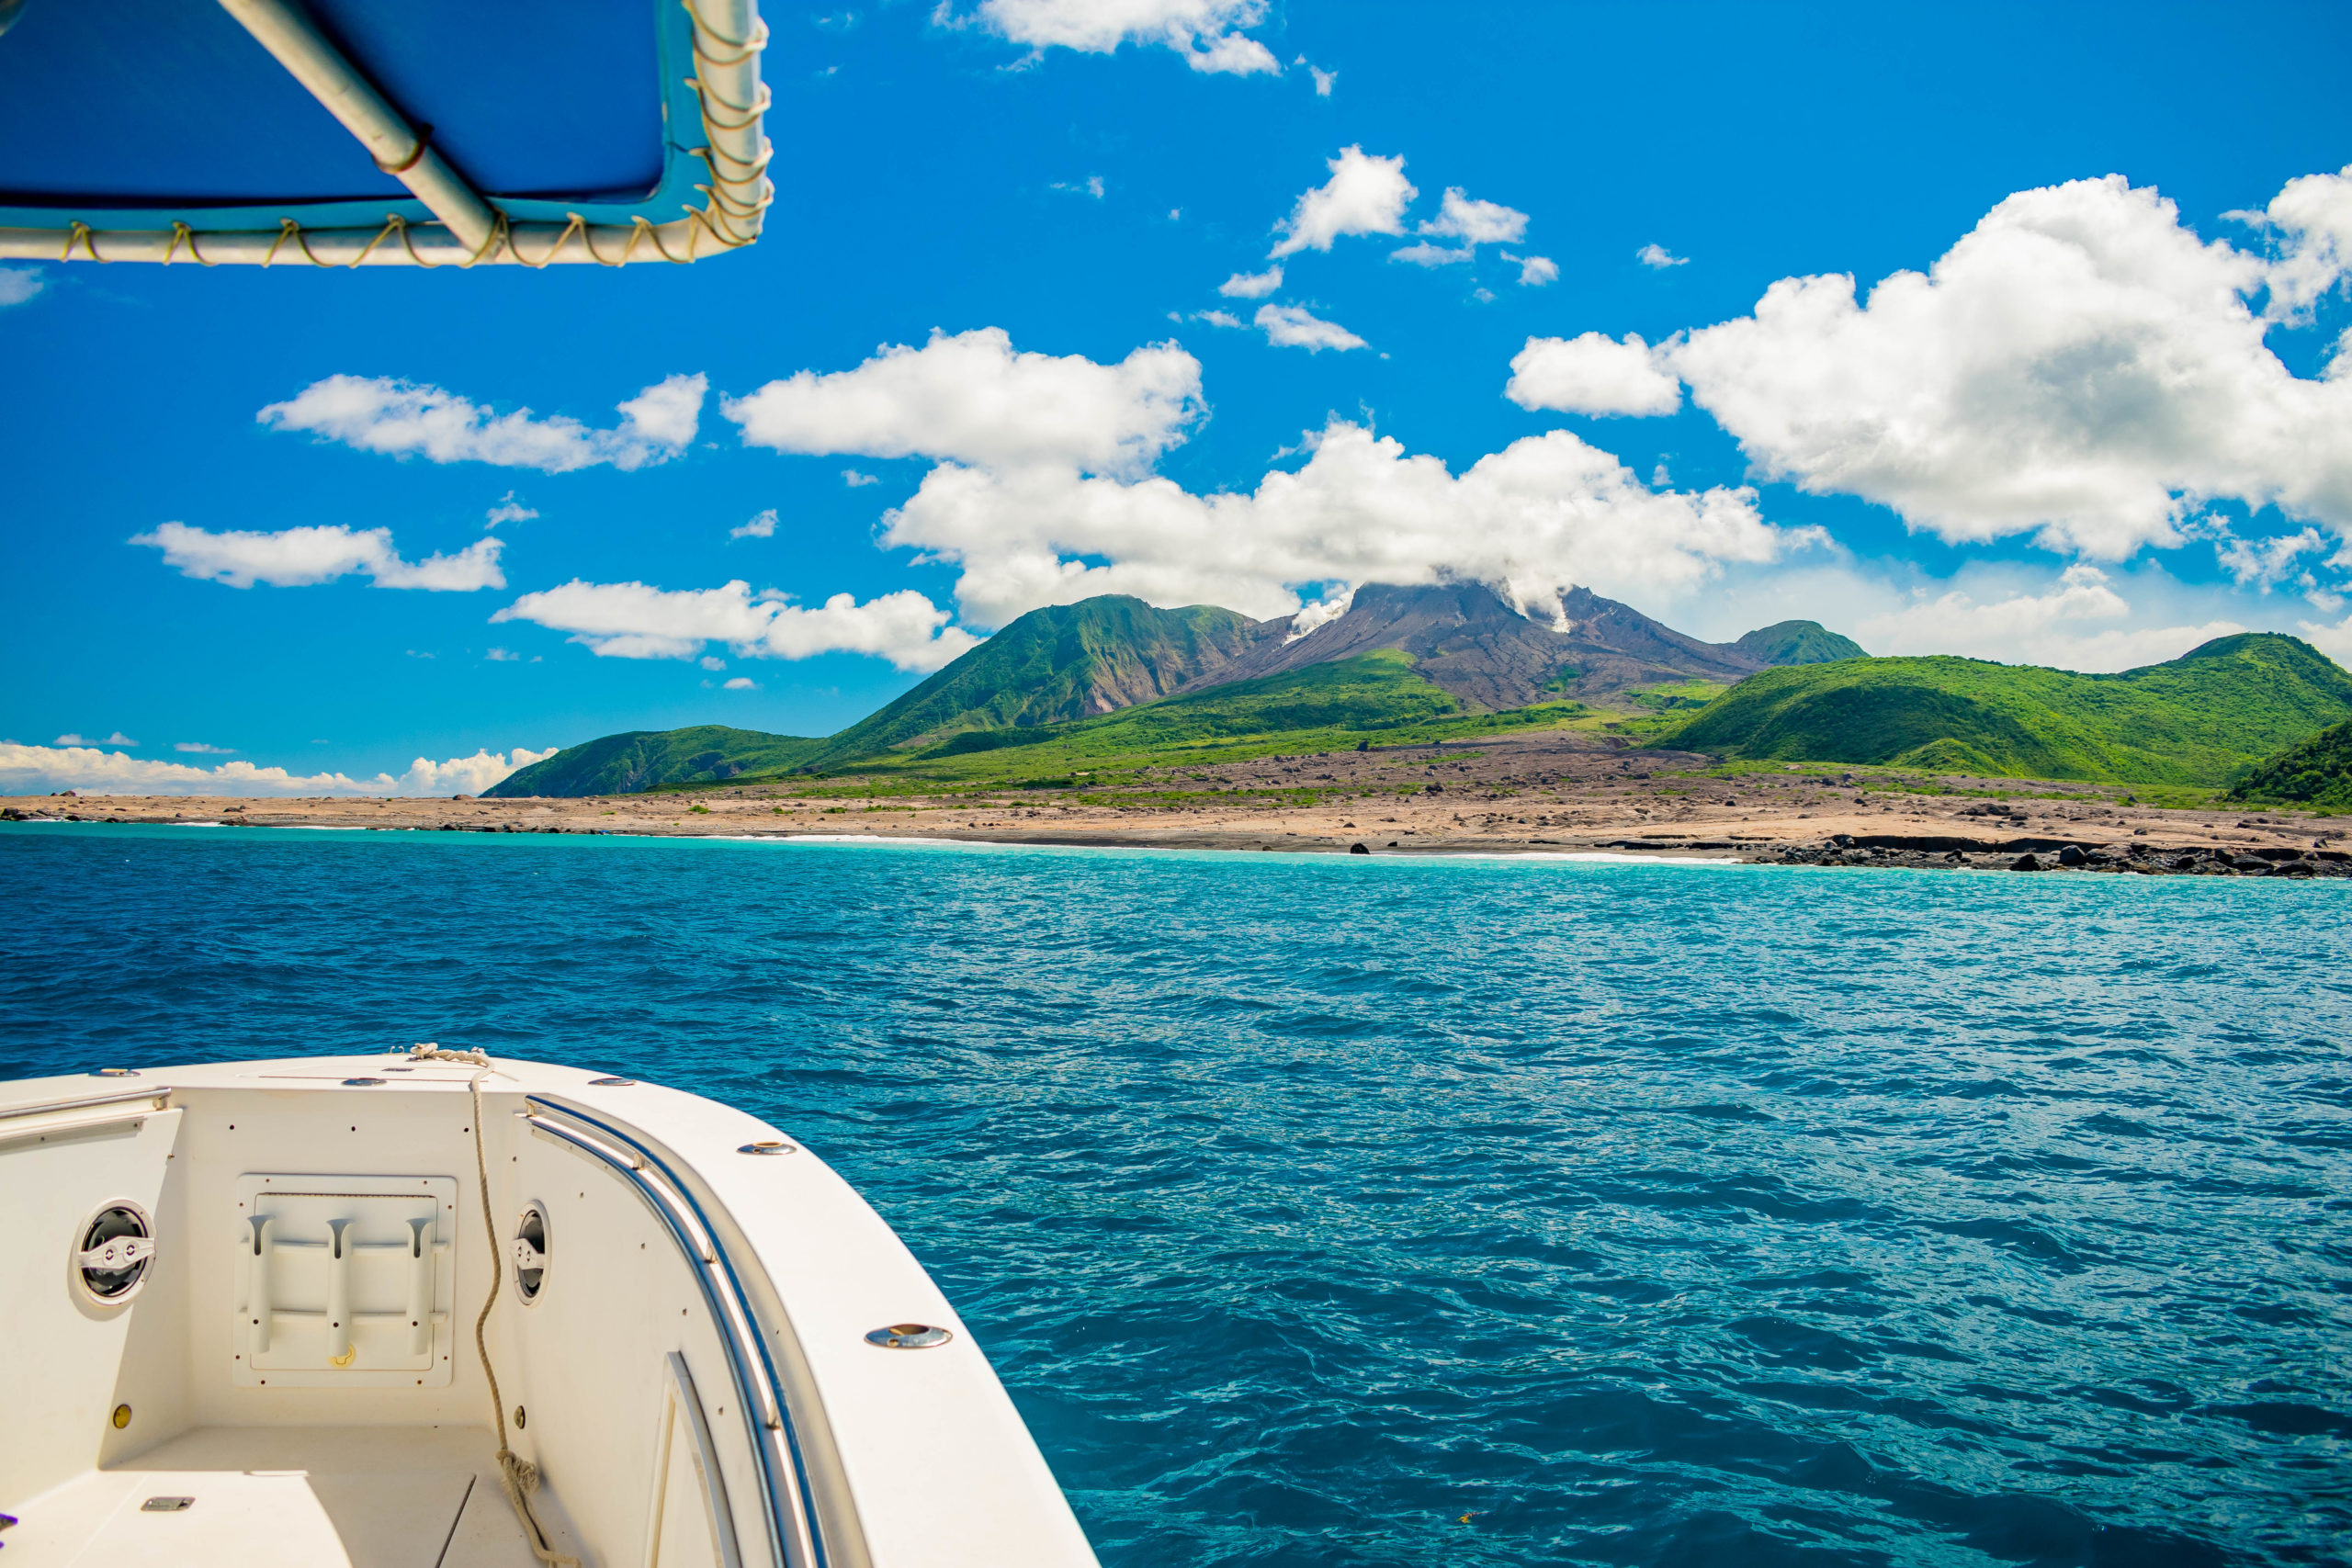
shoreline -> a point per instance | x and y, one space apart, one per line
1888 852
1545 795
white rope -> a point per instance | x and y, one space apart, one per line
520 1476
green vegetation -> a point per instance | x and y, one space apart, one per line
1067 698
1374 699
2314 774
1371 699
641 759
1063 663
2193 721
1798 642
1676 696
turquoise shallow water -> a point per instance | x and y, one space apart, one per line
1646 1214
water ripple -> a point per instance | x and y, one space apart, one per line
1343 1212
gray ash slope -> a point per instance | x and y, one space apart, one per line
1466 640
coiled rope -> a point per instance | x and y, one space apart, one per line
520 1476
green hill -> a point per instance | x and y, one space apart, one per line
2194 720
1798 642
623 765
1372 692
1063 663
1375 697
2316 773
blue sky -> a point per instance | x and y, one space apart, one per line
2102 432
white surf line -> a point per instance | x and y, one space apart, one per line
1600 857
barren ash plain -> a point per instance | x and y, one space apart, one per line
1558 794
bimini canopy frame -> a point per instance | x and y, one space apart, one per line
450 222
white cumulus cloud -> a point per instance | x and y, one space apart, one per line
634 620
2081 366
1365 195
1034 516
508 510
44 769
2312 217
19 284
1208 33
1534 272
1592 374
2072 625
293 558
1476 222
376 414
1291 326
971 399
2265 563
761 526
1251 285
1659 257
1426 255
2335 640
1546 513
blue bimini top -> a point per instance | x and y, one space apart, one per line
381 133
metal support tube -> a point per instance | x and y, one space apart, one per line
727 38
398 148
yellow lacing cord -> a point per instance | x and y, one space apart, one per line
719 199
744 47
80 234
752 167
588 239
290 229
408 244
718 205
646 229
492 240
393 221
750 112
520 1476
183 235
577 225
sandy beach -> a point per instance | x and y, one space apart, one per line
1528 794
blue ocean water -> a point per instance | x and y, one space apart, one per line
1327 1211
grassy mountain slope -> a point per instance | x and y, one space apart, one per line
642 758
1063 663
1375 697
2192 721
1798 642
2316 772
1373 692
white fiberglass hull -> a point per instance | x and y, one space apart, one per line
243 1300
